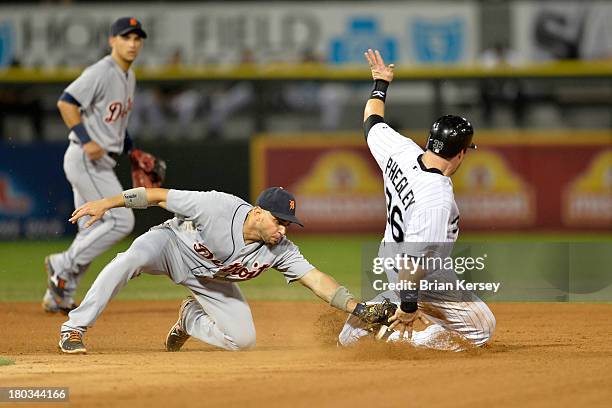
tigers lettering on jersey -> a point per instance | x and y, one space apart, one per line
235 269
117 110
238 271
395 175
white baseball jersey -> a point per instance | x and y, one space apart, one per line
209 227
421 209
420 201
105 93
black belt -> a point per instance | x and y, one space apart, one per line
112 155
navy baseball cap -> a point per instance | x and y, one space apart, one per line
280 203
126 25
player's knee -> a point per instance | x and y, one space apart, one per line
485 330
351 332
243 340
491 324
133 260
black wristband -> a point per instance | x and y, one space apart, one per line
81 133
380 90
359 309
409 307
409 300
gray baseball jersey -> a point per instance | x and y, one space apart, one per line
105 93
209 228
203 249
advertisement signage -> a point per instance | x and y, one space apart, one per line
35 198
223 33
539 181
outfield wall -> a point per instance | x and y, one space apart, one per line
36 199
515 181
523 181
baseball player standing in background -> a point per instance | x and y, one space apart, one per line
215 241
95 107
421 214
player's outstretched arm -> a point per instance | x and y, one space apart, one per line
382 75
325 287
134 198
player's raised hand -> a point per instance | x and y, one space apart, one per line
95 209
378 67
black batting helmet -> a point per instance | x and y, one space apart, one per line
449 135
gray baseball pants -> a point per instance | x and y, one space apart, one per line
221 317
90 181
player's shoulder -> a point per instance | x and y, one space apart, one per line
103 63
381 129
284 246
100 68
224 197
383 134
436 182
220 198
433 187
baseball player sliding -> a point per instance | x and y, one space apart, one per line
96 107
422 217
215 241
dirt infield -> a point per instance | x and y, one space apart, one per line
542 355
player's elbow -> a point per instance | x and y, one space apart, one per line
70 113
62 106
311 279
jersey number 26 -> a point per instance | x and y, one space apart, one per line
393 214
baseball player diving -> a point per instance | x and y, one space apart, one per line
215 241
422 220
96 108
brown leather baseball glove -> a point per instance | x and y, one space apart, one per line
376 314
147 170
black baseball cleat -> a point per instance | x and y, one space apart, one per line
72 343
177 336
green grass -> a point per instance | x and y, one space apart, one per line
6 361
22 276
